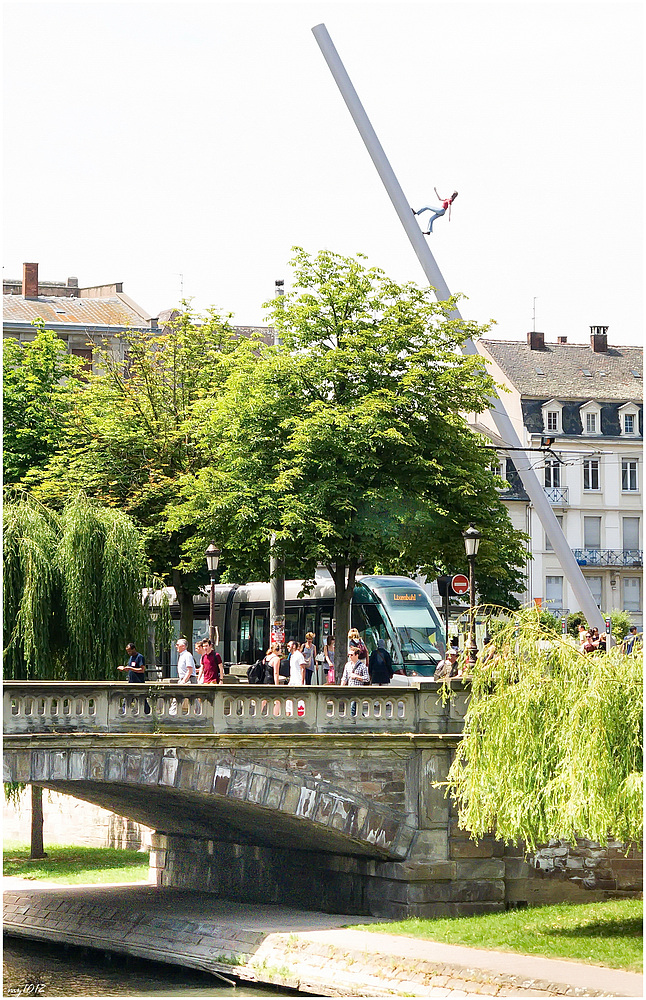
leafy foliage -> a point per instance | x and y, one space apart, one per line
347 442
73 584
36 399
552 741
131 435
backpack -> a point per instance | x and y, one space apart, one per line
268 675
256 673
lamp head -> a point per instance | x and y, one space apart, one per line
212 556
471 540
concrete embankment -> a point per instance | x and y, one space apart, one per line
312 952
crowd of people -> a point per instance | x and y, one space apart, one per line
300 664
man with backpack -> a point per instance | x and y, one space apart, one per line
380 665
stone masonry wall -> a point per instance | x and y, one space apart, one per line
67 820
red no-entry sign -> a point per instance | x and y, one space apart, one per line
460 584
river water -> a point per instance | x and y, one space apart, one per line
33 969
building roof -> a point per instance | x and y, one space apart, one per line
112 310
570 371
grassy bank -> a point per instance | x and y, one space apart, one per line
76 865
608 933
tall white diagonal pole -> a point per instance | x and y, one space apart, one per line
500 416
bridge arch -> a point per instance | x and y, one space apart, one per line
213 794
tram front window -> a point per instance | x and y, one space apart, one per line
417 630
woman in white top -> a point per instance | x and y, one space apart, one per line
296 665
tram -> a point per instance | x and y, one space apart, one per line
393 608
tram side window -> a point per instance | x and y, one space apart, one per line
245 639
292 629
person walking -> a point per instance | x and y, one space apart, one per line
355 672
356 642
272 664
328 657
448 667
212 666
136 665
308 650
380 665
185 663
296 664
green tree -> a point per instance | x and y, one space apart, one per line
36 397
552 743
73 587
347 442
131 437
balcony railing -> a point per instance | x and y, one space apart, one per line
558 495
609 557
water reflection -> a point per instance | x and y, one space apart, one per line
33 969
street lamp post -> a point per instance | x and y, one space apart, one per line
212 556
471 542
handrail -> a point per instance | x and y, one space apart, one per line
609 557
61 707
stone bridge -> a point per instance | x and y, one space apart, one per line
319 797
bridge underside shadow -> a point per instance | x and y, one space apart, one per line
196 794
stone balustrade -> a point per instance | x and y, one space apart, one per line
38 707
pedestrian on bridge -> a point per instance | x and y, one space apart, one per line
380 665
136 665
308 650
185 663
212 666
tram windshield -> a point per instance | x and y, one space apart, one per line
416 624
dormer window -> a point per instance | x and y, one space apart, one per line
629 420
591 418
552 416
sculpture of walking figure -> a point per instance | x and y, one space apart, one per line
439 212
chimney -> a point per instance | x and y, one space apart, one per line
599 339
536 340
30 281
72 282
562 340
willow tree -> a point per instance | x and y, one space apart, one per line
72 590
552 743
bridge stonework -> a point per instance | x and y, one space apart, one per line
319 799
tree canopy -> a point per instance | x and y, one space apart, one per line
36 398
347 441
552 744
130 436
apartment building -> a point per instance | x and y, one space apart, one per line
581 407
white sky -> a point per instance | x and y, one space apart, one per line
148 140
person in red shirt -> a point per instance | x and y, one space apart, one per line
439 212
212 666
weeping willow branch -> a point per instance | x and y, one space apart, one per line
552 743
73 585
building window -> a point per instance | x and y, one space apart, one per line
629 475
631 534
591 423
591 474
552 472
632 593
591 532
554 592
499 468
548 545
595 583
629 423
552 420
